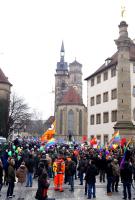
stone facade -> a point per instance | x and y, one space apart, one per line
68 100
65 109
124 123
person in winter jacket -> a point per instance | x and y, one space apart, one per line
30 169
71 169
126 178
11 178
59 170
43 186
21 175
116 175
82 168
109 173
90 177
1 175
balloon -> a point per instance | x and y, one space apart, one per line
41 148
19 157
16 151
14 147
107 152
10 153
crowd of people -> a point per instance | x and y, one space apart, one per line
22 161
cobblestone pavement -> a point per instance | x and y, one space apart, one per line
78 194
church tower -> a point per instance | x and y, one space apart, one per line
61 77
5 87
75 77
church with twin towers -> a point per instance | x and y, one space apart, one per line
70 112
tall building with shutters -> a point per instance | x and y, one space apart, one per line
70 112
111 92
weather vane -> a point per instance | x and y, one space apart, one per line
123 9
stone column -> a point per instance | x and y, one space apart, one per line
124 123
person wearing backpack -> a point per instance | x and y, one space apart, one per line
59 170
71 169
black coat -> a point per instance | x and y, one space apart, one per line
30 165
91 173
71 168
126 173
1 174
109 169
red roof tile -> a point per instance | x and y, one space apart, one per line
3 78
71 98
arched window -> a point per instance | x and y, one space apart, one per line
80 122
70 122
61 121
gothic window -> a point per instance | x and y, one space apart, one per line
70 122
61 121
74 78
63 85
80 122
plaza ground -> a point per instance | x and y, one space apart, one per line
78 194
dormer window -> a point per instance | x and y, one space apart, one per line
107 61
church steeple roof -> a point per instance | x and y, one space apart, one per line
62 47
62 65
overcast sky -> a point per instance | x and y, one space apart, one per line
31 32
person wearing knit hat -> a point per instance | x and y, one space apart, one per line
21 175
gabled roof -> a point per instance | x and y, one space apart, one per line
3 78
114 60
71 97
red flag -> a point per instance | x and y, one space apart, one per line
93 141
123 141
84 138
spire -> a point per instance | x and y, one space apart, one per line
62 47
62 65
62 52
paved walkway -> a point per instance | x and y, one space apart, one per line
78 194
